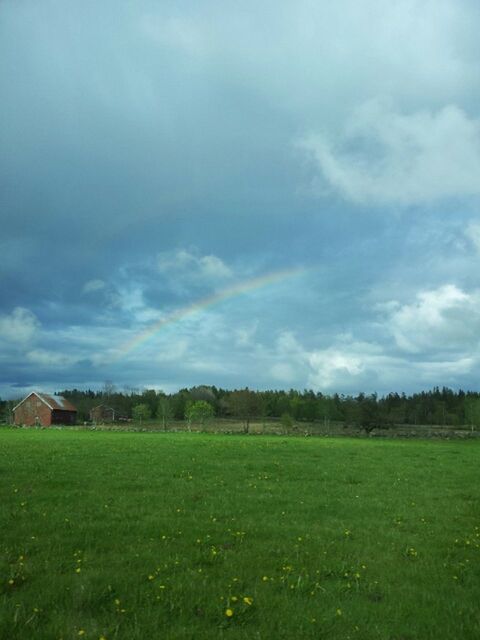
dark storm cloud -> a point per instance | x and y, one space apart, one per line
153 154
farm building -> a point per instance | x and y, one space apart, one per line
102 414
44 410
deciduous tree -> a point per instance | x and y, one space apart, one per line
141 412
245 404
200 411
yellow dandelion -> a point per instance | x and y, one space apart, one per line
265 578
81 632
234 598
229 613
150 577
77 570
248 600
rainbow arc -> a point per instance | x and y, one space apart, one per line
212 300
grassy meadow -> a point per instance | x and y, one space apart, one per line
183 535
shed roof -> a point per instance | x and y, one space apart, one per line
52 402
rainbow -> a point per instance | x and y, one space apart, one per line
212 300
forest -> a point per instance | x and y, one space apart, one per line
439 406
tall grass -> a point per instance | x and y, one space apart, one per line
132 535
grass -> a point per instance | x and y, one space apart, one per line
152 535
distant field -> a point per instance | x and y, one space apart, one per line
274 426
194 536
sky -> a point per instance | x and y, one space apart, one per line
274 195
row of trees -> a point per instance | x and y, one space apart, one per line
436 407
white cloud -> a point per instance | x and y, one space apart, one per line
442 319
473 234
284 373
244 335
349 365
444 369
186 269
330 365
93 285
386 157
213 268
346 365
20 326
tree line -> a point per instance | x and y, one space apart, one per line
439 406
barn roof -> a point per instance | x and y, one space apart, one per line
52 402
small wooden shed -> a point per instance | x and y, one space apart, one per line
102 414
42 409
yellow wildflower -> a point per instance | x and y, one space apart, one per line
229 613
248 600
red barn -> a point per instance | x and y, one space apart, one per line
44 410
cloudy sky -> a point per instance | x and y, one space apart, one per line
221 193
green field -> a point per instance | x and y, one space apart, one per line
152 535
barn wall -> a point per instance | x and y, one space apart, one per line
33 411
63 417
